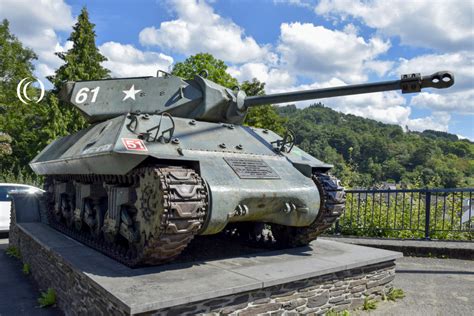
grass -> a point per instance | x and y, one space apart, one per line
26 269
13 252
369 304
394 294
47 298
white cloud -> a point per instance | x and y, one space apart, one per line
438 24
199 29
390 108
459 102
457 99
35 23
318 52
274 78
128 61
438 121
379 67
387 107
461 63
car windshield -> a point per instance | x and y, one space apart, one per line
4 191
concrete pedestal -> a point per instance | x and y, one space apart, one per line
326 275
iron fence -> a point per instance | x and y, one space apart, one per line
417 214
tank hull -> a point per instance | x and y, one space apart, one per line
246 178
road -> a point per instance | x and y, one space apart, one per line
432 287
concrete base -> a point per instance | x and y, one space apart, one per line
324 276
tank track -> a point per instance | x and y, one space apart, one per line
182 200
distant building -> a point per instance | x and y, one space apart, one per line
389 186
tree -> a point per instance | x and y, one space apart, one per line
16 64
253 87
5 145
16 119
366 152
196 64
263 116
81 62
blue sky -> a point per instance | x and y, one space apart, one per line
289 44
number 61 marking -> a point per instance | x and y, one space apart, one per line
82 95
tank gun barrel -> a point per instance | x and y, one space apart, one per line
408 83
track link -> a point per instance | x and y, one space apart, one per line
333 199
171 204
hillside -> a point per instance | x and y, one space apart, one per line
366 152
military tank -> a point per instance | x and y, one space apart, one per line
166 159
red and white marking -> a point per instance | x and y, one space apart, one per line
134 144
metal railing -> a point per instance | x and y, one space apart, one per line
417 214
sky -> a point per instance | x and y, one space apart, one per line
288 44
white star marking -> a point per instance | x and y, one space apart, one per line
130 94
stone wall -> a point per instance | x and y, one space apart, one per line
13 237
315 296
77 294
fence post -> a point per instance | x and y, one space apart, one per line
427 214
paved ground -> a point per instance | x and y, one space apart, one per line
147 289
418 248
18 293
432 287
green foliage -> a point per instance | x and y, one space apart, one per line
366 152
264 116
13 252
17 121
16 64
217 69
394 294
47 298
21 176
369 304
32 127
439 134
381 214
26 269
254 87
5 144
81 62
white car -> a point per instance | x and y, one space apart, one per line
5 201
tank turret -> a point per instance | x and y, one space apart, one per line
204 100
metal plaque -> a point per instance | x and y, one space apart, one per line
251 168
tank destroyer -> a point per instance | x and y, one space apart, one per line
165 159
